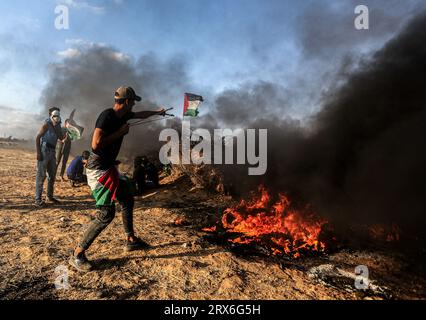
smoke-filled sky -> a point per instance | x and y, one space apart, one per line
296 50
344 108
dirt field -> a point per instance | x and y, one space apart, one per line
181 265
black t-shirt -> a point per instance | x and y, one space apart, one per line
109 123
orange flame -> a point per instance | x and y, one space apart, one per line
385 233
288 231
211 229
180 222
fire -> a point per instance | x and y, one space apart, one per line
179 222
385 233
212 229
274 223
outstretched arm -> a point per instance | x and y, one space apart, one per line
147 114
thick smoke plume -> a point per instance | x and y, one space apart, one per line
86 81
362 159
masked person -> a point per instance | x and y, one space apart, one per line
46 140
107 184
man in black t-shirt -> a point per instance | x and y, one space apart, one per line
109 123
103 177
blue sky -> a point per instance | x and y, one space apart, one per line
225 42
210 33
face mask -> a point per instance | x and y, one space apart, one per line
130 105
56 118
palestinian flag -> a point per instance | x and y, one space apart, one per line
74 131
105 183
191 104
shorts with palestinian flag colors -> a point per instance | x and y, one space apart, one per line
107 184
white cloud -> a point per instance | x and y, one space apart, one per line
82 5
83 43
119 56
76 41
79 45
69 53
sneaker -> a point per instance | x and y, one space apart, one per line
40 203
80 262
53 200
137 244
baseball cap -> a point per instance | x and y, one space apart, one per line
126 93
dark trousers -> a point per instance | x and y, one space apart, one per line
62 153
106 214
48 165
152 175
79 178
139 178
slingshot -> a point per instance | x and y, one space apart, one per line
143 121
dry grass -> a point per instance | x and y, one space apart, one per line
181 264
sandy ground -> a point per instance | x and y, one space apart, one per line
182 264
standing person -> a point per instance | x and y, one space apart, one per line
46 140
75 171
63 149
104 179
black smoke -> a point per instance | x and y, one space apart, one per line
87 81
362 159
